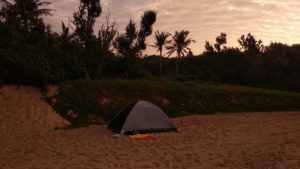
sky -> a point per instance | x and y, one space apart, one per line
268 20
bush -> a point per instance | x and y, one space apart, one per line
96 101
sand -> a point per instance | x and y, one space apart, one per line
28 139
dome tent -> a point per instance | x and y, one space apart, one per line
141 117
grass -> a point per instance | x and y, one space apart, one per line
87 102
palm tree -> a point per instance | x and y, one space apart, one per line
28 10
160 42
180 43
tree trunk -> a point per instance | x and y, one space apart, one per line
160 64
177 64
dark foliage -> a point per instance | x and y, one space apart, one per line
220 40
30 53
250 44
130 44
180 45
86 102
84 20
160 42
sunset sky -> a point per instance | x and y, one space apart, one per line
269 20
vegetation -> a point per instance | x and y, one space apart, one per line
86 102
179 44
160 42
32 54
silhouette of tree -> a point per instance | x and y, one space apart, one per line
220 40
106 35
250 44
279 57
26 11
65 34
84 19
133 41
208 47
190 53
125 42
179 44
160 42
147 21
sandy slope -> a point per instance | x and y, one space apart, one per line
227 141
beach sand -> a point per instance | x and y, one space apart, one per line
28 139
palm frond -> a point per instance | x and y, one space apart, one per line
46 12
180 43
5 2
43 3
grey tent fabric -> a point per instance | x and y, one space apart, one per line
141 117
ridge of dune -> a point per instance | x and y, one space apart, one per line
23 111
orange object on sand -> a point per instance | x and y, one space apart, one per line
142 137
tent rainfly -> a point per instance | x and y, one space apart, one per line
141 117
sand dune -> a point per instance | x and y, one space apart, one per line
246 140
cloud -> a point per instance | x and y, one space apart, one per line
269 20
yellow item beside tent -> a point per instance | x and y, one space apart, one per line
141 137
